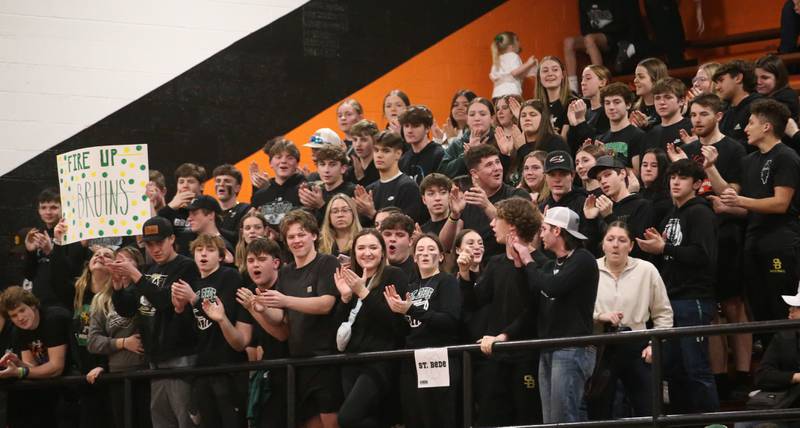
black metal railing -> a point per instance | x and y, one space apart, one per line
656 336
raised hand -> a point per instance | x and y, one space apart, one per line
576 112
358 284
675 153
730 197
652 242
311 196
590 210
504 142
710 156
457 202
685 137
605 205
345 292
181 200
514 106
437 133
449 130
395 302
364 203
215 310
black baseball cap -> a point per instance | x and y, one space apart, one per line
157 229
204 202
559 159
605 162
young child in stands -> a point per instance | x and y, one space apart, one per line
508 70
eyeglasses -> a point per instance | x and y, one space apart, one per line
336 211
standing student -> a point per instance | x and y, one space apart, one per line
323 137
468 249
253 225
533 180
424 155
480 119
435 191
339 226
770 178
168 337
362 170
393 188
565 289
367 324
585 159
772 80
736 85
506 120
655 186
702 82
268 410
189 180
559 171
686 244
647 73
348 114
507 381
227 185
474 208
394 104
304 300
432 307
623 137
552 87
282 194
537 127
204 219
156 191
331 164
587 117
669 97
396 231
508 70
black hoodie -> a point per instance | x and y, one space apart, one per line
278 199
634 210
573 200
788 97
690 254
735 120
434 312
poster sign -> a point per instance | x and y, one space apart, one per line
432 367
103 191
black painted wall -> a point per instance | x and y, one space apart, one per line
264 85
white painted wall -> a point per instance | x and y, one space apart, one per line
65 64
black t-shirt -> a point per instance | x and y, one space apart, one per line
761 173
434 312
558 113
626 143
659 135
735 120
278 199
212 348
7 335
272 347
418 165
433 226
651 113
401 192
180 225
345 187
549 144
409 268
310 335
53 330
475 218
231 218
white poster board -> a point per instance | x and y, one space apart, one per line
432 367
103 191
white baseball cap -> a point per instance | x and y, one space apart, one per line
793 300
323 137
564 218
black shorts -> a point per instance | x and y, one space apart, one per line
318 390
730 274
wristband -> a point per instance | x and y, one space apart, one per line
123 343
23 372
454 220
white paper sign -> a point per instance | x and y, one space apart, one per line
103 191
432 367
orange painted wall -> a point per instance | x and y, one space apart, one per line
463 60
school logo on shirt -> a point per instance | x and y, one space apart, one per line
419 298
738 127
777 266
204 323
38 351
599 18
146 308
765 170
618 147
390 198
158 279
181 225
673 233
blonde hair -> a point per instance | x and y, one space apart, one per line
541 92
327 234
84 281
500 43
601 72
102 300
710 68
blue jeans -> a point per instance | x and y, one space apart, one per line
562 376
691 384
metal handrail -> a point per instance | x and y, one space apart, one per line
656 336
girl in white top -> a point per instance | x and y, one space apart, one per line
508 70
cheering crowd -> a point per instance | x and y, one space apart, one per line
513 219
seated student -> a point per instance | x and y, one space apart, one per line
585 159
552 88
227 185
647 73
456 124
253 225
615 204
769 181
480 130
586 121
303 299
502 287
189 180
281 196
384 213
223 329
117 337
339 226
168 338
474 208
655 186
38 247
270 341
42 337
537 126
362 170
348 114
396 230
365 323
506 121
623 138
424 155
394 104
686 244
565 291
669 95
533 177
156 191
736 85
432 307
772 80
394 188
331 165
435 190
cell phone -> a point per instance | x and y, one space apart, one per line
597 192
343 259
464 182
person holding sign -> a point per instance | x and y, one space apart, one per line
367 324
432 308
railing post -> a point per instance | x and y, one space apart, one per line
290 396
658 384
466 368
127 406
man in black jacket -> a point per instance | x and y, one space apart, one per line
687 248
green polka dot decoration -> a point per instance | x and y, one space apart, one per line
83 175
138 148
111 222
61 170
105 174
144 197
128 232
100 233
87 225
142 167
136 218
124 161
131 181
81 235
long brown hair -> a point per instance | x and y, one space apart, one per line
541 92
376 279
240 256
